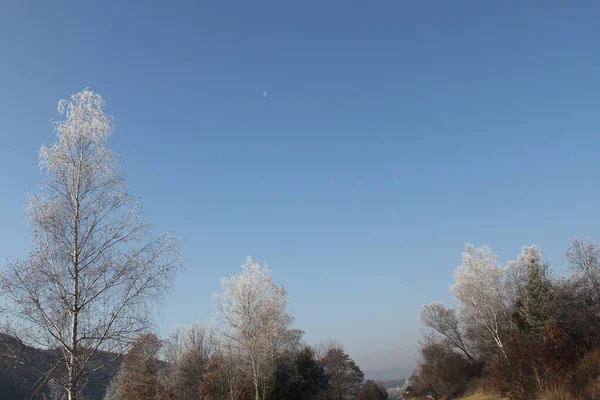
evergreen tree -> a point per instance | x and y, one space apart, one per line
533 307
299 377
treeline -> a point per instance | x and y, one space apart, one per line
518 331
251 353
95 271
205 369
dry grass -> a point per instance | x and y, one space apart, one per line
556 392
482 389
549 395
482 396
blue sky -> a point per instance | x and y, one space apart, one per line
392 133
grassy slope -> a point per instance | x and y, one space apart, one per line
483 397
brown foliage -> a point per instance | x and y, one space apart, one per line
140 372
550 347
443 371
372 391
345 376
221 380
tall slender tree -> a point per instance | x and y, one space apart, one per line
95 268
480 286
533 313
584 259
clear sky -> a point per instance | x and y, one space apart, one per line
391 134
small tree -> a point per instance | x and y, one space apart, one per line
95 267
584 259
441 368
313 378
345 377
298 376
372 391
139 378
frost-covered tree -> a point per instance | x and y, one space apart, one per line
480 286
533 312
584 259
95 269
445 321
254 320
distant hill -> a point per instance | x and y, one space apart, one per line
392 383
22 367
387 371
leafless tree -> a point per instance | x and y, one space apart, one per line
187 352
480 286
254 320
322 348
584 258
95 270
441 367
445 321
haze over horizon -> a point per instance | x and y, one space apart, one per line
353 148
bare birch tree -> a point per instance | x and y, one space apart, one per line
253 317
96 269
481 289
